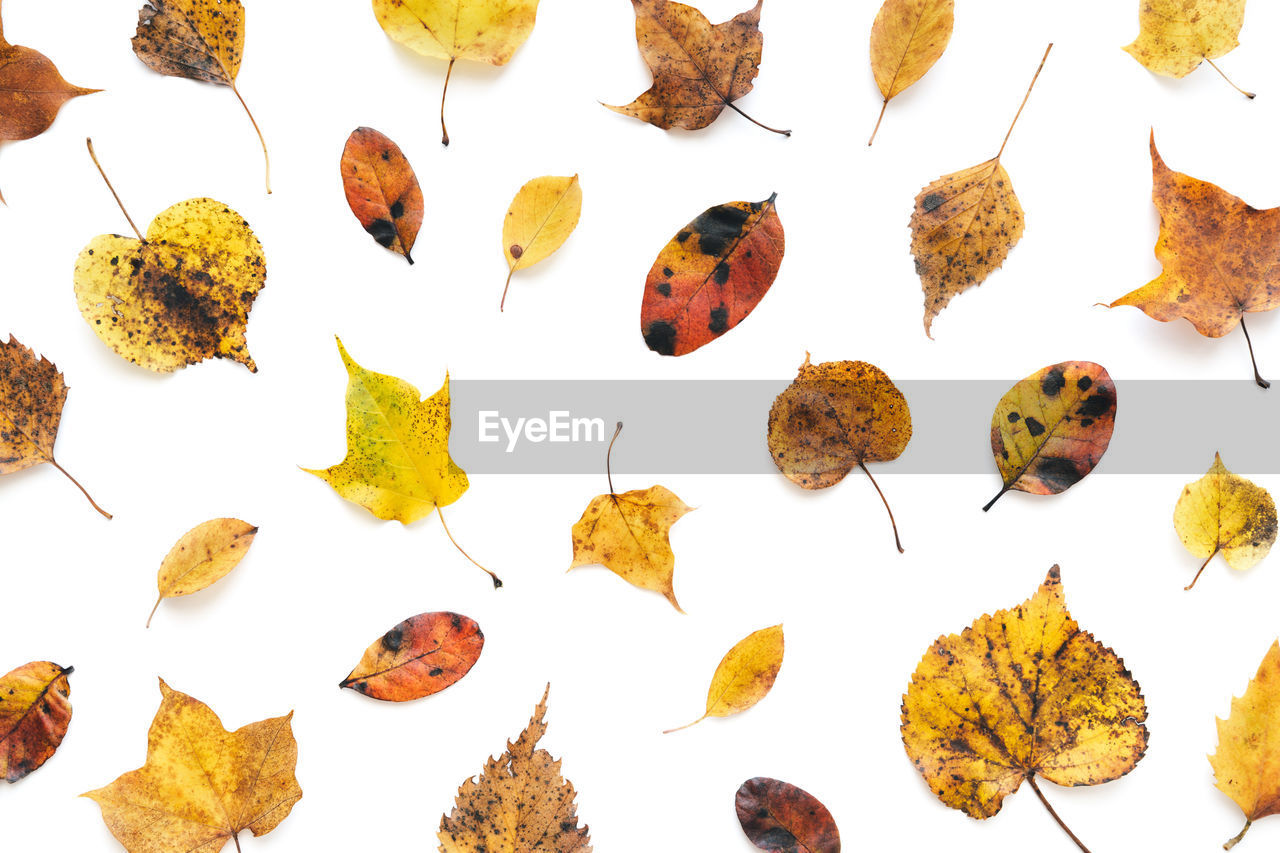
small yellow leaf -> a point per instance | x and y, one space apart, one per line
907 38
1244 766
541 217
1175 36
745 675
203 556
1224 513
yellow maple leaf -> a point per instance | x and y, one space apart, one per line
519 802
397 464
488 31
1244 766
201 784
1022 693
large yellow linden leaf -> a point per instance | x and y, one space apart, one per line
907 38
1021 693
478 30
202 785
520 802
1224 513
179 297
1175 36
541 217
1244 765
745 674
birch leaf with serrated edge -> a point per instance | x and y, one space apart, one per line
745 675
1051 429
907 38
1224 513
397 464
541 217
1021 693
203 556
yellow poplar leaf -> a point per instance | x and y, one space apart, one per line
202 785
907 38
203 556
541 217
1223 513
1022 692
487 31
744 676
1175 36
397 464
1244 765
519 803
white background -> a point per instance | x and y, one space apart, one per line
325 578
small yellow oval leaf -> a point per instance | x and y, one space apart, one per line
203 556
1224 513
541 217
907 38
745 675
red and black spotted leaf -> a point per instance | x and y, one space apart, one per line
422 655
711 275
35 711
781 818
382 190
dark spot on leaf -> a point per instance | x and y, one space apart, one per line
1034 427
1084 383
397 210
661 338
393 639
931 202
436 672
383 232
667 272
1099 404
1013 417
717 227
719 320
664 288
722 272
1053 382
516 250
1058 473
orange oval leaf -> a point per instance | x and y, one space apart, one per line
711 275
778 816
35 710
382 190
422 655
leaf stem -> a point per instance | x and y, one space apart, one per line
89 142
998 496
497 581
686 725
505 288
608 457
1202 565
82 489
265 156
152 614
737 110
1249 95
235 836
1234 841
1032 780
444 138
1257 377
896 540
1025 98
876 130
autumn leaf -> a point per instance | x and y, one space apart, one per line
488 31
519 802
1022 693
1174 36
180 294
711 275
965 224
698 69
745 675
833 417
541 217
778 816
202 785
422 655
1244 765
382 190
35 711
203 556
907 38
31 92
1220 257
199 40
630 534
1223 513
32 393
397 464
1051 429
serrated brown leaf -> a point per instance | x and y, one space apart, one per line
519 802
35 710
698 69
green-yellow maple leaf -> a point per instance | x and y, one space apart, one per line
397 464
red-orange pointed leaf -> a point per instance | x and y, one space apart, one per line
382 190
422 655
35 710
